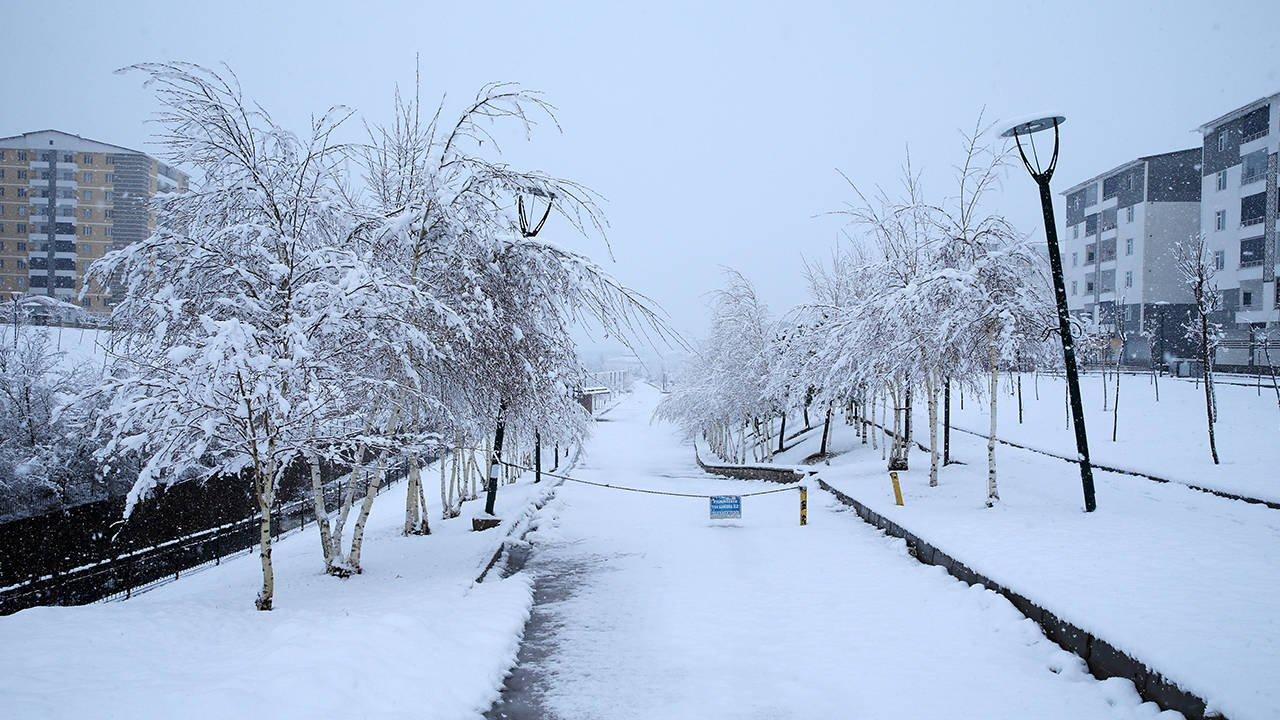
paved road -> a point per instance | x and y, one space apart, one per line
646 609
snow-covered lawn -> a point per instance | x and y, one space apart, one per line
1166 438
668 614
1183 580
410 638
80 346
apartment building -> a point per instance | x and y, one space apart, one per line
1238 217
1118 249
64 202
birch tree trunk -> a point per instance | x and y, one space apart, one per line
357 532
1209 403
265 493
933 432
411 506
993 495
321 512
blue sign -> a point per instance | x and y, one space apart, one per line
725 507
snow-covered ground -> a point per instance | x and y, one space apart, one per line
658 612
410 638
1181 579
1166 438
79 346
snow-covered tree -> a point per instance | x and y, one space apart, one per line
255 316
1195 266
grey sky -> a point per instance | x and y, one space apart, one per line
713 130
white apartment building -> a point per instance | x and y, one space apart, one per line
1117 245
1238 217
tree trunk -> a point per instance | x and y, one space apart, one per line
1115 408
321 512
357 532
1019 399
537 457
495 463
933 433
782 432
411 506
1209 405
265 494
826 432
993 494
908 435
946 423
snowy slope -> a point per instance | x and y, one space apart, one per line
410 638
1166 438
1183 580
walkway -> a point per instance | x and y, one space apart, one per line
647 609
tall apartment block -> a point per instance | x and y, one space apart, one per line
64 202
1118 249
1238 217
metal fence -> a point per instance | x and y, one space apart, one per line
133 566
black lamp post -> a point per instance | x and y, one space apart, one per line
528 230
1042 174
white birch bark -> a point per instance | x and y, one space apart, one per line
357 532
321 512
933 431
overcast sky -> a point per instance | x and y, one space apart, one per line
713 130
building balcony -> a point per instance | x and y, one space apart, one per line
1246 222
1254 136
1250 179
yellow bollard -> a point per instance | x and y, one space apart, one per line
804 505
897 489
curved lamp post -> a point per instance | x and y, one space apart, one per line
528 230
1041 174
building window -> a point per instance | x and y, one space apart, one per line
22 174
86 195
1 173
22 192
1251 251
87 214
1222 180
1253 209
22 154
86 177
111 177
1219 259
1222 141
22 247
1075 231
1075 257
1088 286
22 229
1128 278
1128 246
87 159
109 196
1246 298
1073 287
1220 220
22 211
86 230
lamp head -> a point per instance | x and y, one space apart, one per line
1035 125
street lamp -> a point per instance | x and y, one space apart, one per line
1164 353
537 196
1042 174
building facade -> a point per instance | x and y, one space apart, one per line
1117 248
1238 218
64 202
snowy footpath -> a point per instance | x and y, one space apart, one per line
647 609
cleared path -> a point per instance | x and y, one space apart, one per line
647 609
